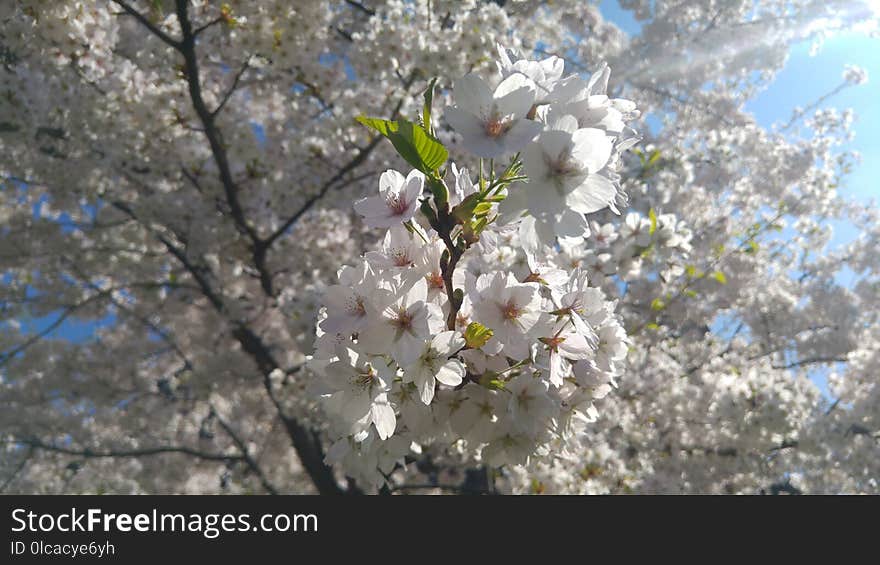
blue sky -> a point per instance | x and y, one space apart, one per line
804 79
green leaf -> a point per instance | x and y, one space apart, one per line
657 305
491 381
652 326
429 154
420 149
691 271
440 192
476 335
465 210
653 216
655 156
482 209
719 276
426 111
385 127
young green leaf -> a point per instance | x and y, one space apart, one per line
418 148
476 335
426 111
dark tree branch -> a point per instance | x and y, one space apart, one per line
811 361
353 164
232 88
7 356
144 21
251 462
359 6
215 140
200 29
159 450
357 161
22 464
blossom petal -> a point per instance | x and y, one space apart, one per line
472 94
515 95
451 373
596 193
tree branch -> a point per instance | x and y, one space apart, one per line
92 454
144 21
218 149
251 462
232 88
811 361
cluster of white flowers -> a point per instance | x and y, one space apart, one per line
462 329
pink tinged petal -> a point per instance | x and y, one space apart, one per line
391 180
534 161
515 95
383 418
417 294
406 349
553 67
575 346
473 135
415 182
426 387
555 143
464 123
447 343
436 320
584 329
528 235
451 373
544 229
571 224
337 297
596 193
472 94
522 132
566 123
375 213
544 201
569 88
592 148
485 146
355 407
376 337
557 369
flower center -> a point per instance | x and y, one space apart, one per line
435 280
496 126
400 257
429 358
561 167
355 306
397 204
364 377
510 310
552 342
403 321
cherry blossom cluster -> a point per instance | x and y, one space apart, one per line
462 329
